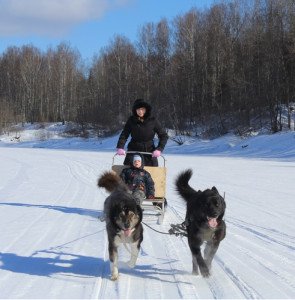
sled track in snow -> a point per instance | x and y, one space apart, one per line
181 266
101 288
267 234
247 291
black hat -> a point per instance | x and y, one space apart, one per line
138 103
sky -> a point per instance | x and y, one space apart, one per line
87 25
52 245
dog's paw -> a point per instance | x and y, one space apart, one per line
114 276
204 270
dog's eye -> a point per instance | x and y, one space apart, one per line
122 214
131 214
216 202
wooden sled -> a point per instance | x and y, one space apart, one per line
155 206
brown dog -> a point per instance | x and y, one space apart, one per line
123 220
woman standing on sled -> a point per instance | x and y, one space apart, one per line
142 127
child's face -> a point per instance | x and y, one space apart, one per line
137 163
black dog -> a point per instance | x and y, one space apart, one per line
203 221
123 220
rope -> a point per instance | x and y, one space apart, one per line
154 228
176 229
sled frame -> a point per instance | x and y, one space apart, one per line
151 206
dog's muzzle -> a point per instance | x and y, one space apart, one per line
128 231
212 222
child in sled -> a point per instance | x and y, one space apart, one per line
139 180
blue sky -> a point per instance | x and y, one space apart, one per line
87 25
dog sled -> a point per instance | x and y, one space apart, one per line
156 206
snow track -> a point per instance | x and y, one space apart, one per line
54 246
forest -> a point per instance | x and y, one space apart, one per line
229 67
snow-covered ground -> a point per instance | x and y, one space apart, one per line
53 246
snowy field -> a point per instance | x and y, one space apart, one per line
53 246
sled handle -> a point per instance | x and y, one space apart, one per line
146 153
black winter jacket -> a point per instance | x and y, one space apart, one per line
142 135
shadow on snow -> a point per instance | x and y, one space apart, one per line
68 264
64 209
59 263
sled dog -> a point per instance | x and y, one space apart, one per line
123 220
204 221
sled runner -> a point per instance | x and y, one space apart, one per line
154 206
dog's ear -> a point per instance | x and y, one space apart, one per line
139 210
214 189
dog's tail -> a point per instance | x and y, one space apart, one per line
182 186
111 181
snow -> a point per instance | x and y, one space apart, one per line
53 246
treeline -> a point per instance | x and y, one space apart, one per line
226 66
